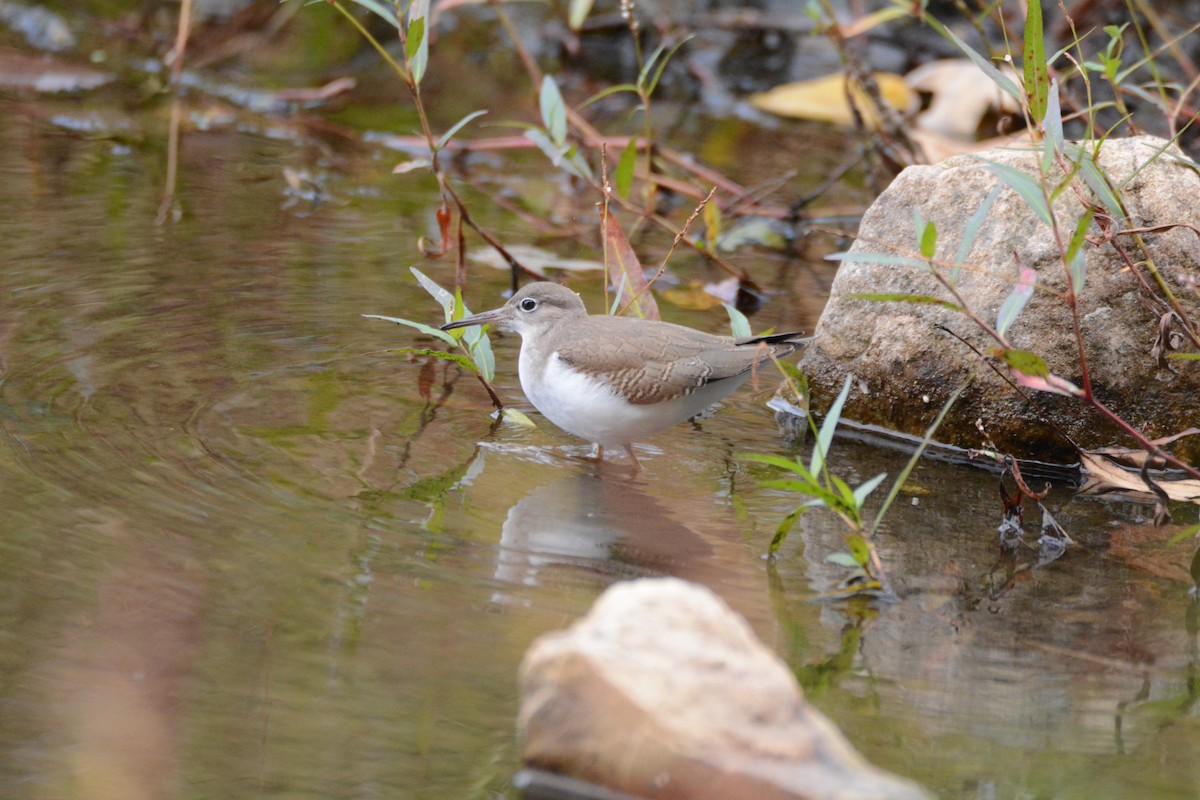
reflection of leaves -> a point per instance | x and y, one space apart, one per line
1014 304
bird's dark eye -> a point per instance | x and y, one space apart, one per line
528 304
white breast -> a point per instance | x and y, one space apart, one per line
590 409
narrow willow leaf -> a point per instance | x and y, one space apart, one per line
1185 356
1023 360
1029 189
1186 533
859 549
1031 371
457 358
517 417
417 50
554 111
863 490
928 240
575 164
552 151
644 75
429 330
414 41
1037 76
1076 258
458 126
843 559
1052 122
997 77
905 298
578 13
1096 181
828 426
773 461
1014 304
1077 266
891 259
385 10
620 259
971 232
894 492
662 66
625 166
437 292
481 354
739 326
609 90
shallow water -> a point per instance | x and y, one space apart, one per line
248 550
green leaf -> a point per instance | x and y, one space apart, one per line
481 352
843 559
863 490
1096 180
1186 533
1029 189
649 87
905 298
428 330
385 10
926 235
997 77
1023 361
578 12
456 127
1052 122
971 232
859 549
1014 304
1076 258
738 324
417 50
554 112
1037 76
773 461
517 417
828 426
444 297
887 259
457 358
846 494
609 90
1185 356
625 167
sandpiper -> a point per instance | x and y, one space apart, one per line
619 380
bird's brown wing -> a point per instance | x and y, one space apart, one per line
654 361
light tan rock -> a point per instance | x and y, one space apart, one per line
662 691
906 366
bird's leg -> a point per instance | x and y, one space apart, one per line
598 453
637 465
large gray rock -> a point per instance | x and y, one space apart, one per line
906 366
662 691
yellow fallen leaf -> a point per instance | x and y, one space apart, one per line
962 95
824 99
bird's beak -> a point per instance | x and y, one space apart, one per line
496 315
